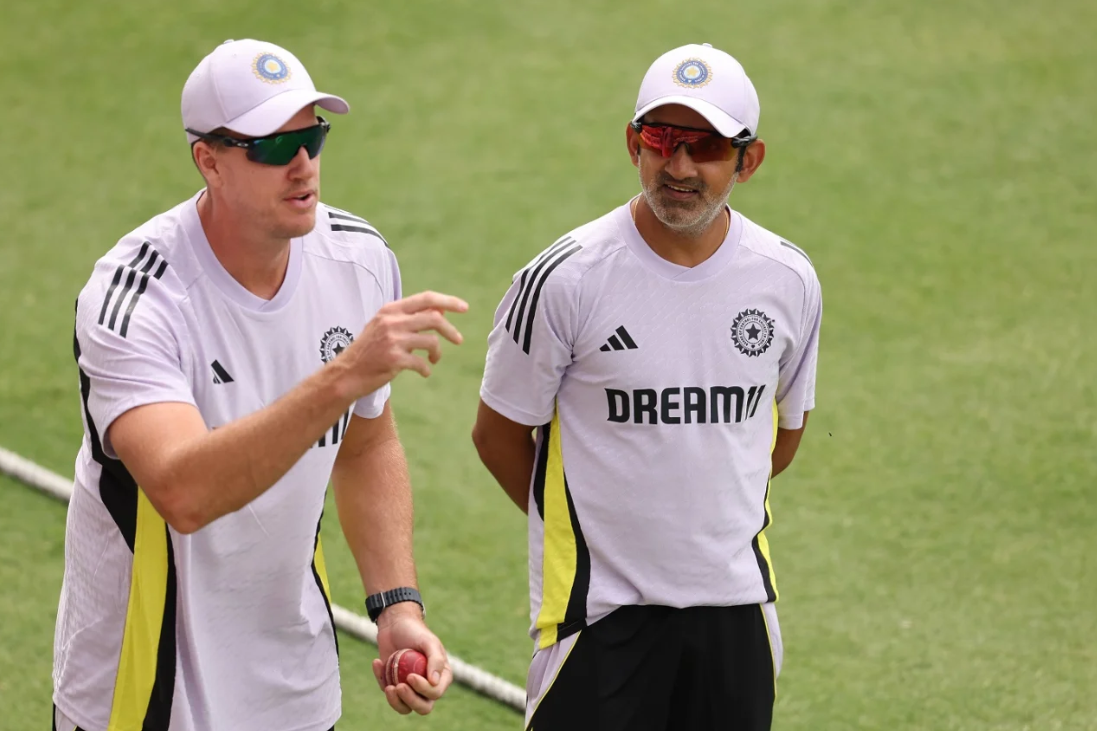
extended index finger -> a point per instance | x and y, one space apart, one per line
431 301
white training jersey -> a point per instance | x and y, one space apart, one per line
229 627
658 390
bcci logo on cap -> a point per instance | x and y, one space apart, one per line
752 332
692 73
270 69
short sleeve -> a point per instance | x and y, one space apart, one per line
530 348
371 406
796 382
129 346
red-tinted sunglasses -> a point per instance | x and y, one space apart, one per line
702 145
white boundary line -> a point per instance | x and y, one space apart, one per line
470 676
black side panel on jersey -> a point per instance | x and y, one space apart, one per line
117 489
565 580
145 682
575 618
158 715
319 574
540 468
760 554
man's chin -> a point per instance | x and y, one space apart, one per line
679 218
297 228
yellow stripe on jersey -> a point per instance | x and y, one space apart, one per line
773 442
763 546
321 568
144 619
560 551
763 542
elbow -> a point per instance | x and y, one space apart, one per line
185 524
490 445
480 441
178 508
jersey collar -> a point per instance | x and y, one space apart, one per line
223 281
669 270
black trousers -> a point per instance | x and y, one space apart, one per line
664 669
53 722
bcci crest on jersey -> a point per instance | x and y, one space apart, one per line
334 342
752 332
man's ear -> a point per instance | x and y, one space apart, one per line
753 156
206 160
632 142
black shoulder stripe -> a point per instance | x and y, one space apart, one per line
140 254
118 302
360 230
131 278
346 216
537 296
560 243
118 278
513 305
110 293
527 284
141 290
797 249
556 246
357 224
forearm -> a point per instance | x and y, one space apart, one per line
373 496
511 463
221 471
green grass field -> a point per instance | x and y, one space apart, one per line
936 540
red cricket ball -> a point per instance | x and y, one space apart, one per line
403 663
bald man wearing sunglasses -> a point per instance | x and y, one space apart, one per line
235 354
648 374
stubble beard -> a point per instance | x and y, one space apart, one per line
293 231
688 219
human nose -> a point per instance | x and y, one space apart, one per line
681 165
302 164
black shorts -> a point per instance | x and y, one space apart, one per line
663 669
59 721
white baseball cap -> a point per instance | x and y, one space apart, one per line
706 80
250 87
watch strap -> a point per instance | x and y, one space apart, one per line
377 603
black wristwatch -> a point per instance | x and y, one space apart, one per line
376 603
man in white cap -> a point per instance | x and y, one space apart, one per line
235 354
646 377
